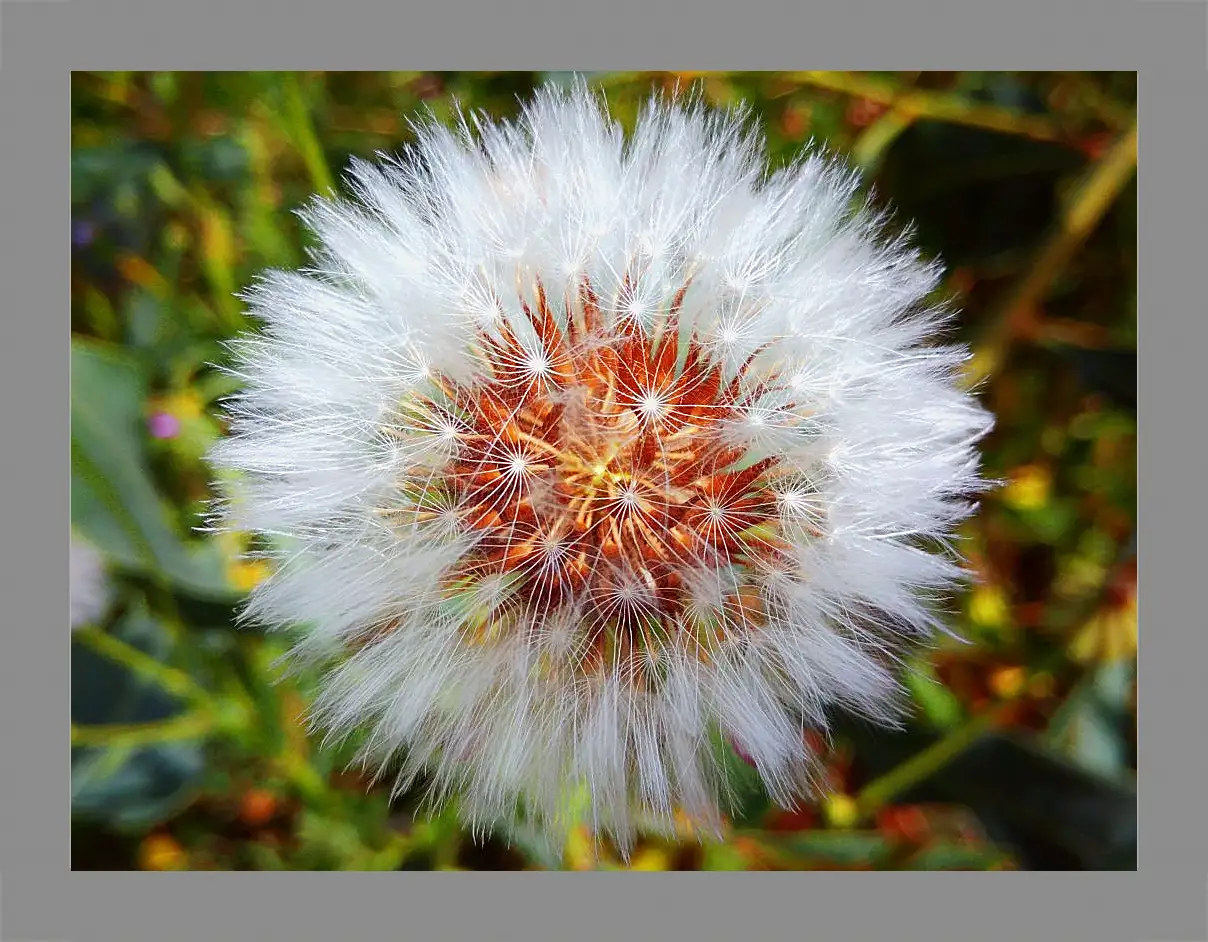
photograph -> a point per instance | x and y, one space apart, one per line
603 471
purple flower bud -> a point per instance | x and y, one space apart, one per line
164 425
82 233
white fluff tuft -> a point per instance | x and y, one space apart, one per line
592 668
89 585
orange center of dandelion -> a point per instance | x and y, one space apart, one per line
591 469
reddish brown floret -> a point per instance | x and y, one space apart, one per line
592 471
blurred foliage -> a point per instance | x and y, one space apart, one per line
187 753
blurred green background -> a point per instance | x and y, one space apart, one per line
188 754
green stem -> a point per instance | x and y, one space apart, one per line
882 791
1093 197
171 679
303 131
938 106
138 735
921 766
871 147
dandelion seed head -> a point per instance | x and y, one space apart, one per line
586 447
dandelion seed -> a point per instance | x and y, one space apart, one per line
693 438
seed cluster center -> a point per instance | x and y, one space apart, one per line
591 468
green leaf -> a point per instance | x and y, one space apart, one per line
939 705
847 849
115 503
838 849
945 855
129 786
104 692
1096 744
1090 725
134 788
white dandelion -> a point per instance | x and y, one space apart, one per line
588 452
88 584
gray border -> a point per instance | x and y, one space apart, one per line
1164 41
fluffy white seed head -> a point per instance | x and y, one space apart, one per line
589 451
89 586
